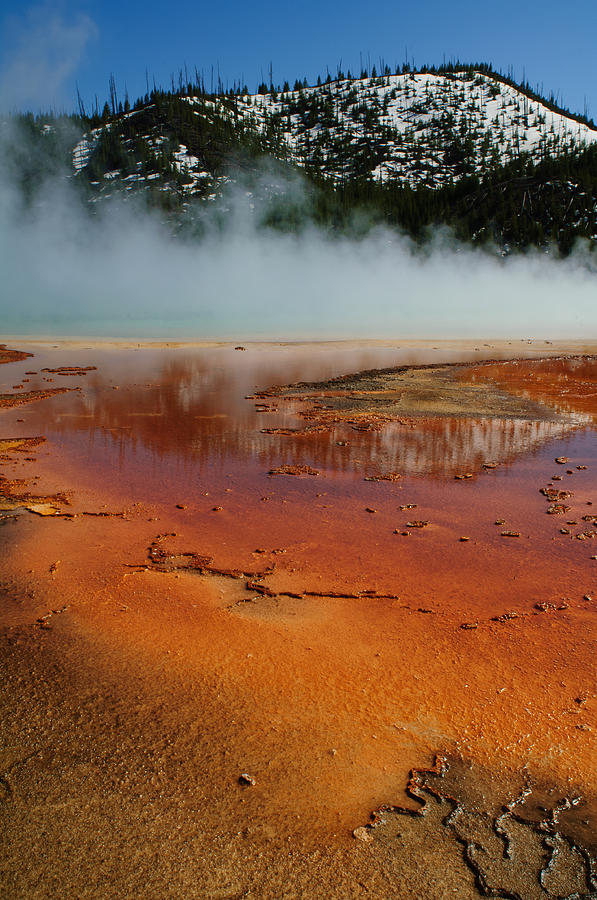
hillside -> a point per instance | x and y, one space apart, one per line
462 146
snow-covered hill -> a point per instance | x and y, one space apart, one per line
416 128
420 128
363 144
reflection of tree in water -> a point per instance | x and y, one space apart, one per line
447 446
195 412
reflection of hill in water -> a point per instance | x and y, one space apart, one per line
192 410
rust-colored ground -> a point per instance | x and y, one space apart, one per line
189 618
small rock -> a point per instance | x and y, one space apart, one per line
181 506
363 834
557 509
217 508
510 533
370 509
389 476
293 470
240 348
246 779
505 617
562 460
500 522
469 626
464 538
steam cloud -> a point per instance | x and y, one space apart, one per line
122 273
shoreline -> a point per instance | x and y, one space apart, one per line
468 344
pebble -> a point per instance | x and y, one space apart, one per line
363 834
245 778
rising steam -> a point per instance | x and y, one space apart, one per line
122 273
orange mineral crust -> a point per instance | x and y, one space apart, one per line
244 635
568 384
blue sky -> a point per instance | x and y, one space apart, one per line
49 47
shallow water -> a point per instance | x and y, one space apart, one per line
360 649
